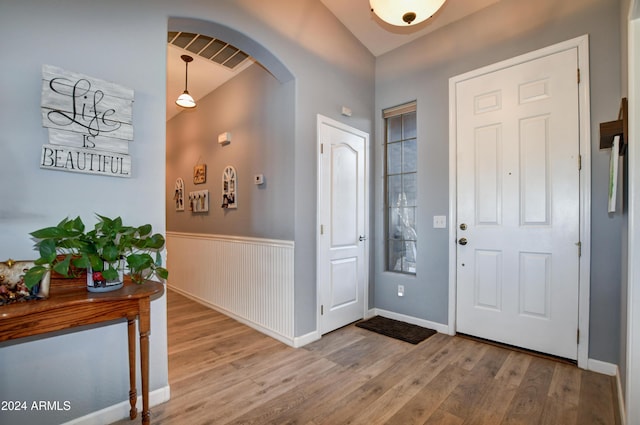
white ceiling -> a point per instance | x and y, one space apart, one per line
377 36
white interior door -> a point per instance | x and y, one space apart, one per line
342 215
518 205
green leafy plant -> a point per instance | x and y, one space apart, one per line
67 248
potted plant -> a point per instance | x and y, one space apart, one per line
104 252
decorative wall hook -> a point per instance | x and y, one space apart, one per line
619 127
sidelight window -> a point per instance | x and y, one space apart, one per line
401 193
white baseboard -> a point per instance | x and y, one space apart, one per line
275 335
300 341
602 367
439 327
611 370
121 410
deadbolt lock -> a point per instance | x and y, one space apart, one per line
463 226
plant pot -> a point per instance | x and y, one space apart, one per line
96 283
73 270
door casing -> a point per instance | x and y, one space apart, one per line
632 390
582 45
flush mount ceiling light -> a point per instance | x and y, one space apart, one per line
185 100
406 12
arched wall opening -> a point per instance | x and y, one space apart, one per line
236 260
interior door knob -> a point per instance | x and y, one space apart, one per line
462 241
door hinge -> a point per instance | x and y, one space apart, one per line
321 148
578 336
579 245
322 229
321 310
579 162
578 75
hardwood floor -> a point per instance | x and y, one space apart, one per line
222 372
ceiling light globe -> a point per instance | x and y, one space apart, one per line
406 12
186 101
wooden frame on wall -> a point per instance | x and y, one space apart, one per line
200 174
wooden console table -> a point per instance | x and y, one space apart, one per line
70 305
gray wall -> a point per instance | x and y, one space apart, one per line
421 71
125 42
258 112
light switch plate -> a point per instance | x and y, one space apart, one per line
439 221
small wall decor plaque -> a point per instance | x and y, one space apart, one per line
229 188
178 196
199 201
200 174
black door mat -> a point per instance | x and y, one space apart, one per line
396 329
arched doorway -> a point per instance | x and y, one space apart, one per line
238 261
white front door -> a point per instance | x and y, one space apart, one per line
518 204
342 217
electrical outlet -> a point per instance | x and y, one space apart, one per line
401 290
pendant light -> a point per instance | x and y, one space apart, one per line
185 100
406 12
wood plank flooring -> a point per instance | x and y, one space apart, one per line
222 372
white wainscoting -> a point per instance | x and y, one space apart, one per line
249 279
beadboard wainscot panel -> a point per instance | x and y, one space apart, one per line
249 279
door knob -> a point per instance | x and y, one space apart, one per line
462 241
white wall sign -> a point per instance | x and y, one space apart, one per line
90 124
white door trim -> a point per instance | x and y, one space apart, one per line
632 390
321 120
582 44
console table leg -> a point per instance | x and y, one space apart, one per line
131 328
145 329
144 357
